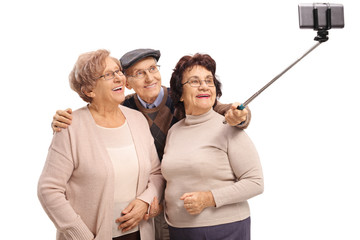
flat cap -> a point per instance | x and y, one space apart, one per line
129 58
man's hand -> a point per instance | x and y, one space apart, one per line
234 116
133 214
61 119
155 209
196 202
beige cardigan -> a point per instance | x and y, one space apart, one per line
76 187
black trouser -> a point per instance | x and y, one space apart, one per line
131 236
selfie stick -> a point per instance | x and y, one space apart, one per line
242 106
321 37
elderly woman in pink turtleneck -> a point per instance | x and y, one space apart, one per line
211 168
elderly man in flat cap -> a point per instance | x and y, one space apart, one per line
153 100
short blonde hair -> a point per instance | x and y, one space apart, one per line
87 69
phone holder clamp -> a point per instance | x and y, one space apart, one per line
322 32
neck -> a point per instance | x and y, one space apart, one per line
198 119
107 116
150 100
104 110
197 112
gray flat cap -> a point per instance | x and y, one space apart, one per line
129 58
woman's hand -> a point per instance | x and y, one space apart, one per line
234 116
196 202
155 209
133 214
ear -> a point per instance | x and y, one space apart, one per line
128 86
90 94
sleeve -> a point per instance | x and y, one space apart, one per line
57 171
156 182
223 108
245 163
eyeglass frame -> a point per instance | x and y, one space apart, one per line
144 70
118 72
201 80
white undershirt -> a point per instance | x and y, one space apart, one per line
120 147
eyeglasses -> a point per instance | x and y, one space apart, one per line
111 75
196 82
140 74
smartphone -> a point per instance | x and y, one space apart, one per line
306 15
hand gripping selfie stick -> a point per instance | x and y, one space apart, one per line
310 16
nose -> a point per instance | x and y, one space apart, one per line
203 85
149 76
118 77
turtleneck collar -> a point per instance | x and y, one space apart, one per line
192 120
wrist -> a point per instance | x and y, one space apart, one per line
210 199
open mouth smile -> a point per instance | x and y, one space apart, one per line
150 86
203 96
117 88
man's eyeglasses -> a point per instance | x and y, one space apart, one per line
196 82
140 74
111 75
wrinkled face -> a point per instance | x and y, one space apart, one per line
108 92
197 100
148 88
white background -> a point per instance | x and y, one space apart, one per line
305 126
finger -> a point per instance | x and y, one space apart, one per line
66 113
63 118
60 124
245 112
128 209
189 200
192 211
126 224
156 201
129 225
235 105
129 228
56 129
240 115
60 113
185 195
124 227
68 110
123 218
154 210
229 118
154 205
147 217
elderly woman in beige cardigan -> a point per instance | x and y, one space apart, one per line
102 172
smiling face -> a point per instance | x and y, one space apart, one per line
197 100
109 92
149 87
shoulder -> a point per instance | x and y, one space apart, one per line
225 129
80 112
130 111
129 96
130 101
80 116
177 125
133 115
